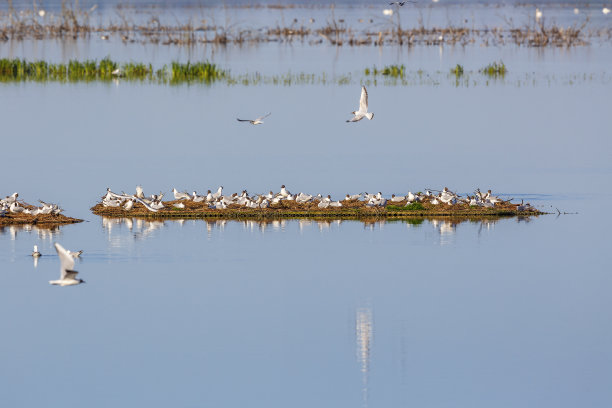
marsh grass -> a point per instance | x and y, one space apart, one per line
409 207
393 71
495 69
22 70
457 70
19 70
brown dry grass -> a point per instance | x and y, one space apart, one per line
41 219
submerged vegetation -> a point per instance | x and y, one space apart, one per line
393 71
496 69
457 71
176 73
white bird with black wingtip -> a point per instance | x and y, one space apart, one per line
257 121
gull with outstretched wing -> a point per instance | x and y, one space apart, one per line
67 273
363 108
257 121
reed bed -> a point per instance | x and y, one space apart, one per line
74 23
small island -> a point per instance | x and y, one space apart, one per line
286 205
14 211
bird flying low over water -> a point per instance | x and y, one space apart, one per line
257 121
67 273
401 3
363 108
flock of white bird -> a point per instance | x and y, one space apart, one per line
219 201
11 204
67 273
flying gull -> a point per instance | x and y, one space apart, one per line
67 274
363 108
257 121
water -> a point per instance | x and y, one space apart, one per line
438 313
294 313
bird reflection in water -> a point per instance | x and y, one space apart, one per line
364 335
43 232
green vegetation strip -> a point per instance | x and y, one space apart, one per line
106 69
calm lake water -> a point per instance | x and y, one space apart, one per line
300 313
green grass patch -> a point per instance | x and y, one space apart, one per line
457 71
394 71
106 69
409 207
495 69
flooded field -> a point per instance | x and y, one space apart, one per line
435 312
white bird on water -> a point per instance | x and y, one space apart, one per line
363 108
67 273
257 121
35 253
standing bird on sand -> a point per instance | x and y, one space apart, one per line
257 121
363 108
67 274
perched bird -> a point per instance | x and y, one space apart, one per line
16 208
11 199
197 199
118 72
129 205
180 196
363 108
67 273
35 253
352 197
218 193
335 204
257 121
179 205
284 193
